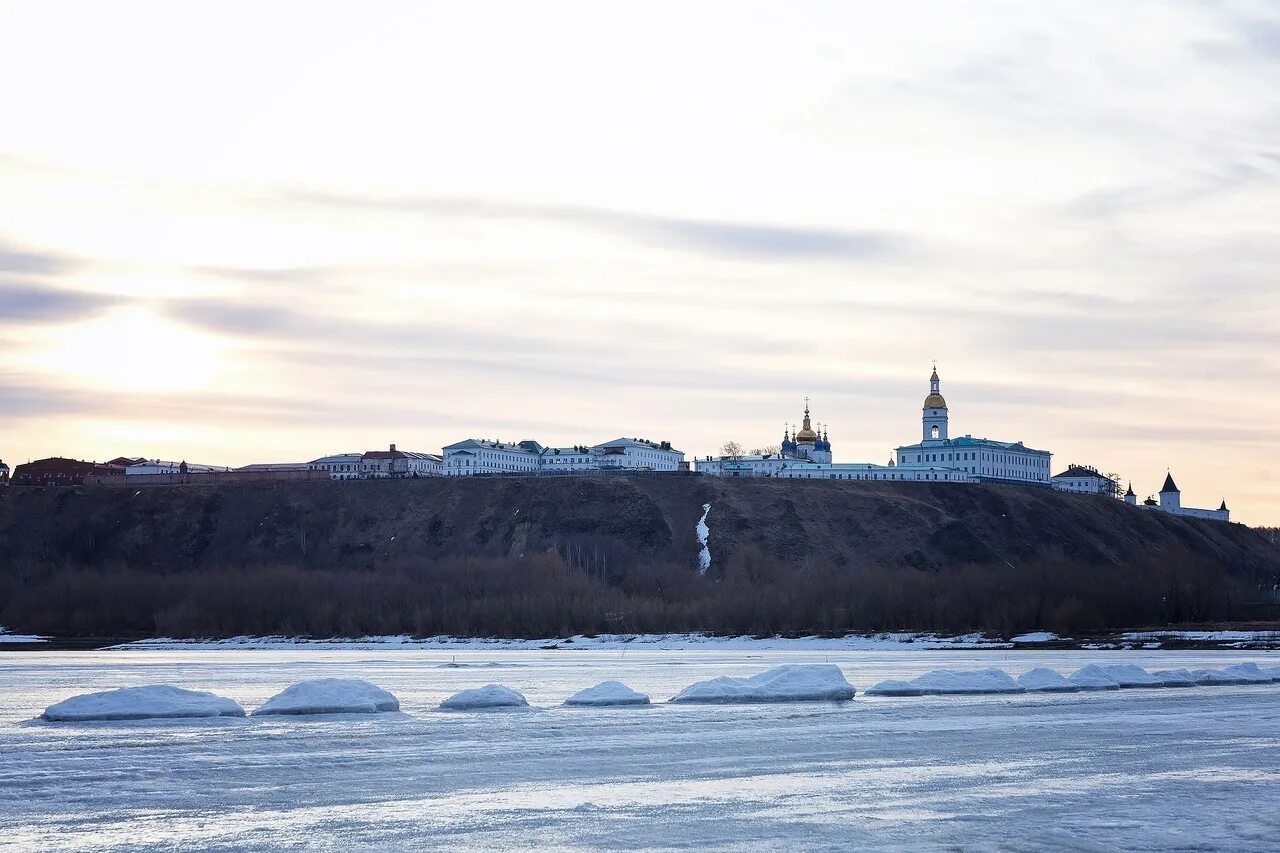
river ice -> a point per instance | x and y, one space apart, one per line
1120 769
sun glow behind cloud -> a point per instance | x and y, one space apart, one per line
256 233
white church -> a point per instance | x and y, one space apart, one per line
936 457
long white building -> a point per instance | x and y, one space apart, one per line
474 456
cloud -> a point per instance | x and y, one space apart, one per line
31 303
280 275
722 238
27 262
1248 39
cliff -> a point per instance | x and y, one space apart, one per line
361 525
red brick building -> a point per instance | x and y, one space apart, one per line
57 471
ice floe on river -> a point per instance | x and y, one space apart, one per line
489 696
895 687
790 683
941 682
329 696
608 693
1042 680
142 703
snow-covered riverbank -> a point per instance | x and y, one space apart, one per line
902 641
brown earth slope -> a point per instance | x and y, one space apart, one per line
365 524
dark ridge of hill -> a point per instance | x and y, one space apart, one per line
362 525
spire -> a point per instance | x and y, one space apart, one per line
935 399
806 435
1169 485
1130 492
1223 506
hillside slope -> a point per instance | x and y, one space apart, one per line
365 524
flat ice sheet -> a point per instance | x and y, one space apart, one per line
1127 769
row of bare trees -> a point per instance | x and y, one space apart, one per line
575 590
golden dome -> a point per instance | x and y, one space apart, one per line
935 401
806 436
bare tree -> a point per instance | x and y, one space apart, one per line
1116 489
732 450
767 450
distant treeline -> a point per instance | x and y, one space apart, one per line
557 593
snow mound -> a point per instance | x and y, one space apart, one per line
1129 675
1093 677
1273 671
895 687
608 693
942 682
1035 637
330 696
1175 678
791 683
1041 680
1241 673
1215 678
142 703
489 696
1249 673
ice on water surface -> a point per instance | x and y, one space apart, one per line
1122 770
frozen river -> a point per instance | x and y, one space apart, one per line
1195 768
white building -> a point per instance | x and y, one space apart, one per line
478 456
1171 502
986 459
636 454
341 466
4 473
379 465
1084 480
474 456
870 471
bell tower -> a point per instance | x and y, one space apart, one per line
934 419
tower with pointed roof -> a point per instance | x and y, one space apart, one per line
934 419
1131 497
1170 495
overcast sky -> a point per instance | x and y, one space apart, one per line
268 232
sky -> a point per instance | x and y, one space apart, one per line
246 232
